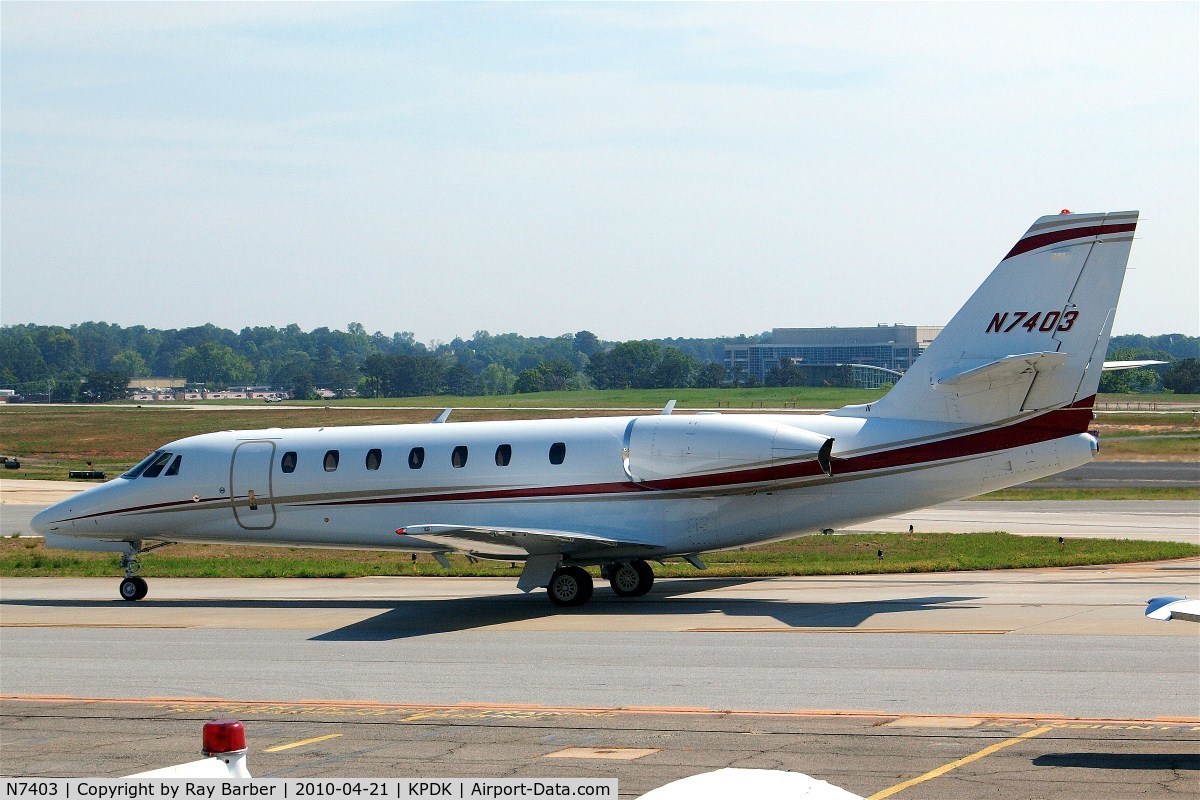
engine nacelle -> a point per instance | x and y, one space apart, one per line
662 448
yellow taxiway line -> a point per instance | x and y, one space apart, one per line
301 743
942 770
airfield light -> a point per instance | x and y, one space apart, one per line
223 736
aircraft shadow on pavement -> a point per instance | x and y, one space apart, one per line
404 619
1139 761
671 599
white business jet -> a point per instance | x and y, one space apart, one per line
1002 396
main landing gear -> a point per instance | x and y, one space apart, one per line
572 586
630 578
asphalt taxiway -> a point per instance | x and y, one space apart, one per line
1153 520
1014 641
875 756
1024 683
1027 683
870 682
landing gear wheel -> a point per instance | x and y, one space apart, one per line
570 586
134 589
624 579
631 579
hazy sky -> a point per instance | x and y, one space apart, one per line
637 170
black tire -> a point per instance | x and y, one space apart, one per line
133 589
570 586
646 574
625 579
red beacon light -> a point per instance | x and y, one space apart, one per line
1065 211
223 736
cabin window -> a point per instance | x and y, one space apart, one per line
374 458
503 455
157 465
140 467
558 452
458 458
288 462
174 468
331 460
416 457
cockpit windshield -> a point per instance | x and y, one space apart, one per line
143 464
157 465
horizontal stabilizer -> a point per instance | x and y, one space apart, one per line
1006 369
505 543
1113 366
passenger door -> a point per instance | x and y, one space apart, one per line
250 485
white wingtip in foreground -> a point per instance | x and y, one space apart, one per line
760 784
1169 608
1004 395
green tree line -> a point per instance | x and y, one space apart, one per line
1181 374
95 360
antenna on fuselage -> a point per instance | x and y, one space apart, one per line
445 415
668 408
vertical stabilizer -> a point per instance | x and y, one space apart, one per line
1032 337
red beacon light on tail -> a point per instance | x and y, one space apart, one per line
222 737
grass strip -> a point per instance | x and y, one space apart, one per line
849 554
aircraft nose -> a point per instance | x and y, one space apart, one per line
44 521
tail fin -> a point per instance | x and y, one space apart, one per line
1032 337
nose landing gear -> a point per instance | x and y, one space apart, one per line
135 588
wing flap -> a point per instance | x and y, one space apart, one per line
506 542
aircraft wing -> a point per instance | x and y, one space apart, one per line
1169 608
505 543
